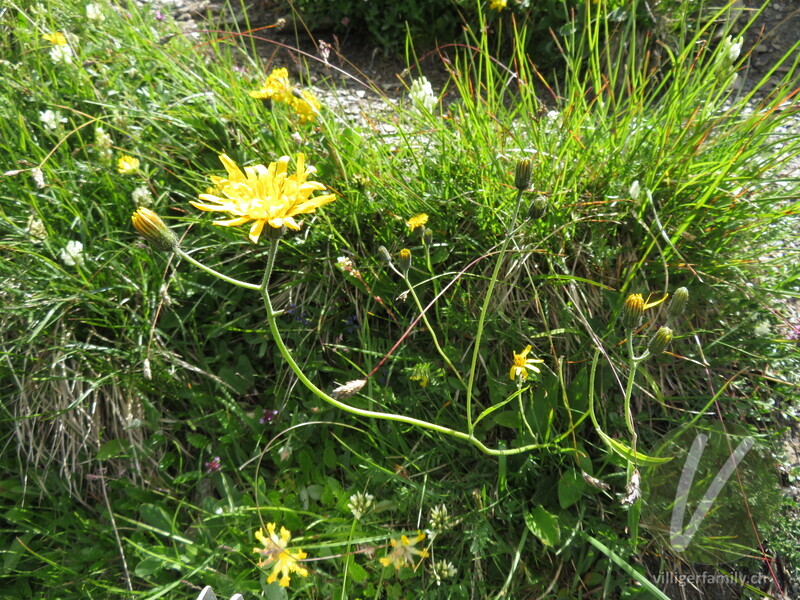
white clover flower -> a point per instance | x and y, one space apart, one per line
60 54
72 254
422 95
94 13
635 190
38 177
141 196
51 119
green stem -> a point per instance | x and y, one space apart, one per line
482 318
429 328
231 280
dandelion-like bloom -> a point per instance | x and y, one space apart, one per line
417 221
56 38
275 551
276 87
127 165
306 106
498 5
403 551
523 364
264 195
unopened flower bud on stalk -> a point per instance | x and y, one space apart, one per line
522 177
384 254
538 208
427 237
660 341
150 225
404 260
632 312
678 303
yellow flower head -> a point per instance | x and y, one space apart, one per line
127 164
403 551
264 195
275 551
306 106
276 87
523 364
498 5
56 38
417 221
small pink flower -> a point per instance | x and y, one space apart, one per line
213 466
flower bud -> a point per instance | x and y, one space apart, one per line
522 177
427 237
678 303
404 260
660 341
632 312
150 225
386 258
538 208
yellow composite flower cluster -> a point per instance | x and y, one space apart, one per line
417 221
278 88
522 364
404 550
263 195
127 164
276 554
498 5
56 39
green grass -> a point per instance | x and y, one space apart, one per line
126 374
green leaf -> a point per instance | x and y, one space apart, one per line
629 454
570 488
544 525
356 572
148 566
112 449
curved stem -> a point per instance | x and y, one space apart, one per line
485 309
231 280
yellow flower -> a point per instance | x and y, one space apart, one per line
275 551
306 105
276 87
265 195
403 551
498 5
127 164
57 38
417 221
523 364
